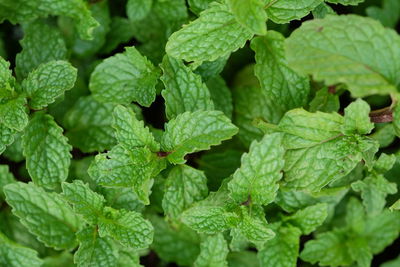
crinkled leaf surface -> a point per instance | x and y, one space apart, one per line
46 215
48 81
125 77
47 151
347 49
184 90
214 34
195 131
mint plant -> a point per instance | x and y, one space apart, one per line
199 133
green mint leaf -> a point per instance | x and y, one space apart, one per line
6 177
309 218
392 263
47 151
324 101
199 5
345 2
41 43
25 11
184 90
175 243
208 219
13 113
131 132
183 187
86 202
250 14
6 137
374 190
46 215
49 81
254 226
381 230
221 96
195 131
124 78
317 48
283 249
213 252
328 249
86 48
285 11
260 170
280 83
127 227
360 252
388 15
127 168
15 255
322 10
138 9
315 137
209 69
214 34
94 250
250 104
88 125
356 118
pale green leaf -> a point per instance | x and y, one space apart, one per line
13 113
48 81
285 11
127 227
124 78
47 215
279 83
374 190
325 101
309 218
250 14
6 177
260 170
184 90
41 43
94 250
127 168
213 252
356 118
27 11
322 10
345 2
314 139
47 151
138 9
15 255
131 132
88 125
208 219
381 230
254 227
328 249
6 137
214 34
88 48
195 131
283 249
184 186
347 49
86 202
